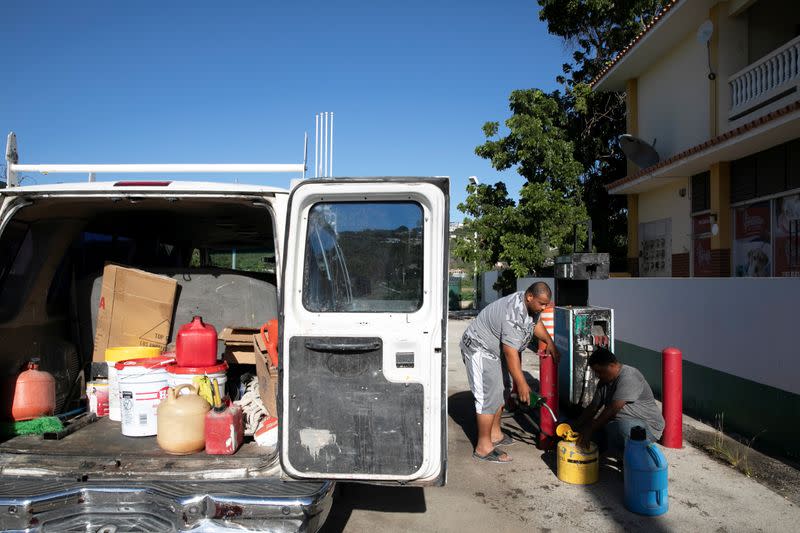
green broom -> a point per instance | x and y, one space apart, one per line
37 426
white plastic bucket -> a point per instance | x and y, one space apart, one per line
115 355
179 375
142 386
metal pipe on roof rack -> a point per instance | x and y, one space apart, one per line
325 129
316 145
155 168
305 154
331 169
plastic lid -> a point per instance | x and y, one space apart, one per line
153 362
200 370
638 433
126 353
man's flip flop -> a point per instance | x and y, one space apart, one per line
505 441
493 456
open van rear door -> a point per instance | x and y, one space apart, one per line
363 350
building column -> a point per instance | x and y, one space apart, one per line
632 115
633 234
721 207
632 127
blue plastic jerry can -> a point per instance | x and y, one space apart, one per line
645 471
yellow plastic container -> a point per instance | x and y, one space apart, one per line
575 465
115 355
126 353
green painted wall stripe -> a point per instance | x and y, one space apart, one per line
750 409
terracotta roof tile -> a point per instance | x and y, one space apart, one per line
794 106
608 66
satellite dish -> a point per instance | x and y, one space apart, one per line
640 152
705 31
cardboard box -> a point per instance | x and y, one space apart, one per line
267 377
135 309
239 344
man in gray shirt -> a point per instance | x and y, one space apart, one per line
626 400
501 332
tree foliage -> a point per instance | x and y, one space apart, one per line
563 143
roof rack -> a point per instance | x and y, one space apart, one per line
13 168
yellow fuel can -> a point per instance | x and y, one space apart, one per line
575 465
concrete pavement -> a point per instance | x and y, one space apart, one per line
704 495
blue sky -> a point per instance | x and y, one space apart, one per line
410 83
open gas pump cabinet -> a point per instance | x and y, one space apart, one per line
353 269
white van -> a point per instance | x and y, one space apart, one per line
355 271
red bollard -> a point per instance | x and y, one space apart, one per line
548 389
672 396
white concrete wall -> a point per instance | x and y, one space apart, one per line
747 327
666 202
673 98
488 294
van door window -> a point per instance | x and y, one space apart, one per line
364 257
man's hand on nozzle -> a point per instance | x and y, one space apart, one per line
523 392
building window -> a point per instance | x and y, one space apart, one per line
701 244
766 240
701 192
787 235
752 250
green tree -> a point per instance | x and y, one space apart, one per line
528 233
563 143
597 30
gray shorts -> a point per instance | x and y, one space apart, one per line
485 375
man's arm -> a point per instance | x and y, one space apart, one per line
540 332
608 413
515 369
586 416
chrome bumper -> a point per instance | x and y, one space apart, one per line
42 504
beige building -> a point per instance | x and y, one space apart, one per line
713 86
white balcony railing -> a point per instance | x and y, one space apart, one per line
768 78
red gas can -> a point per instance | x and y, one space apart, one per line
224 430
196 344
34 394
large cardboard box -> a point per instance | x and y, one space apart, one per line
135 309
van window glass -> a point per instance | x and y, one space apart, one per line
243 259
364 257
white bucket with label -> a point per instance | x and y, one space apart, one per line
179 375
142 386
118 354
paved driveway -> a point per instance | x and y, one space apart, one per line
526 495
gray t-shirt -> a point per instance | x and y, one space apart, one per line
504 321
631 387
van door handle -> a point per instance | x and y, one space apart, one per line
339 347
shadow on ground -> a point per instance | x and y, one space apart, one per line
461 409
351 496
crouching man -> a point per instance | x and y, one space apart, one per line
623 400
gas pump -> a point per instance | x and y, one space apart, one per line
579 327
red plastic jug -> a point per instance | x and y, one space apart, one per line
224 430
196 344
224 426
34 394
